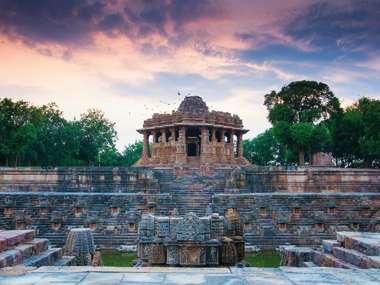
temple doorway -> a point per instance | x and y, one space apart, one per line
193 139
191 149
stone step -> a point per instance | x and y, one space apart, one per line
367 243
329 244
309 264
329 260
354 257
66 260
39 245
14 237
10 257
25 249
46 258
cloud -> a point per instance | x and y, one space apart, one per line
345 25
126 56
74 21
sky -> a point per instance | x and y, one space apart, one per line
131 58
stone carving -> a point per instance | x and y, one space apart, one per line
188 229
80 244
191 240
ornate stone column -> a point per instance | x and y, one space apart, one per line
222 147
154 146
229 147
180 157
205 146
146 146
163 135
240 145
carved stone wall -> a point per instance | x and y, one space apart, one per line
111 201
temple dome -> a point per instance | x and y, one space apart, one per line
193 104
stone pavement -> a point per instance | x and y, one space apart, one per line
198 276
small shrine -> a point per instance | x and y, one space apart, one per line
190 240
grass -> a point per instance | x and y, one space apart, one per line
117 258
267 258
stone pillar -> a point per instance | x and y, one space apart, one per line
205 146
163 135
222 147
172 130
240 145
181 147
230 146
146 146
213 135
154 147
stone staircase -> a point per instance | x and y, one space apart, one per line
20 247
191 190
351 250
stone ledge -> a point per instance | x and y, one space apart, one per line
199 276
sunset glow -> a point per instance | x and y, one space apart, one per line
131 58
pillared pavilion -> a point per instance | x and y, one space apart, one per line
193 136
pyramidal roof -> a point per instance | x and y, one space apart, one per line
193 104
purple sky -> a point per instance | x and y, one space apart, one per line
130 58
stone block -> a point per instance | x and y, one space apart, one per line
39 245
328 260
10 257
46 258
352 256
295 256
25 249
328 245
3 244
14 237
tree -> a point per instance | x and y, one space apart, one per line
356 134
132 153
370 140
264 149
346 131
301 101
98 135
295 111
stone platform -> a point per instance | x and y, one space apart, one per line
198 276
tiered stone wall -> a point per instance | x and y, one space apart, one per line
270 219
277 206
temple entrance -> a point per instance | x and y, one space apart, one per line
191 149
193 141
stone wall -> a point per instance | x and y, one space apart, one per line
277 205
313 179
271 219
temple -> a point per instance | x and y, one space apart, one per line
193 136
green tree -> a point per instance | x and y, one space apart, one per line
264 149
98 135
370 140
296 110
356 134
132 153
346 130
111 157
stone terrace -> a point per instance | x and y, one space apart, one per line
195 276
276 205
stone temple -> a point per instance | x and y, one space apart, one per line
193 136
193 162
